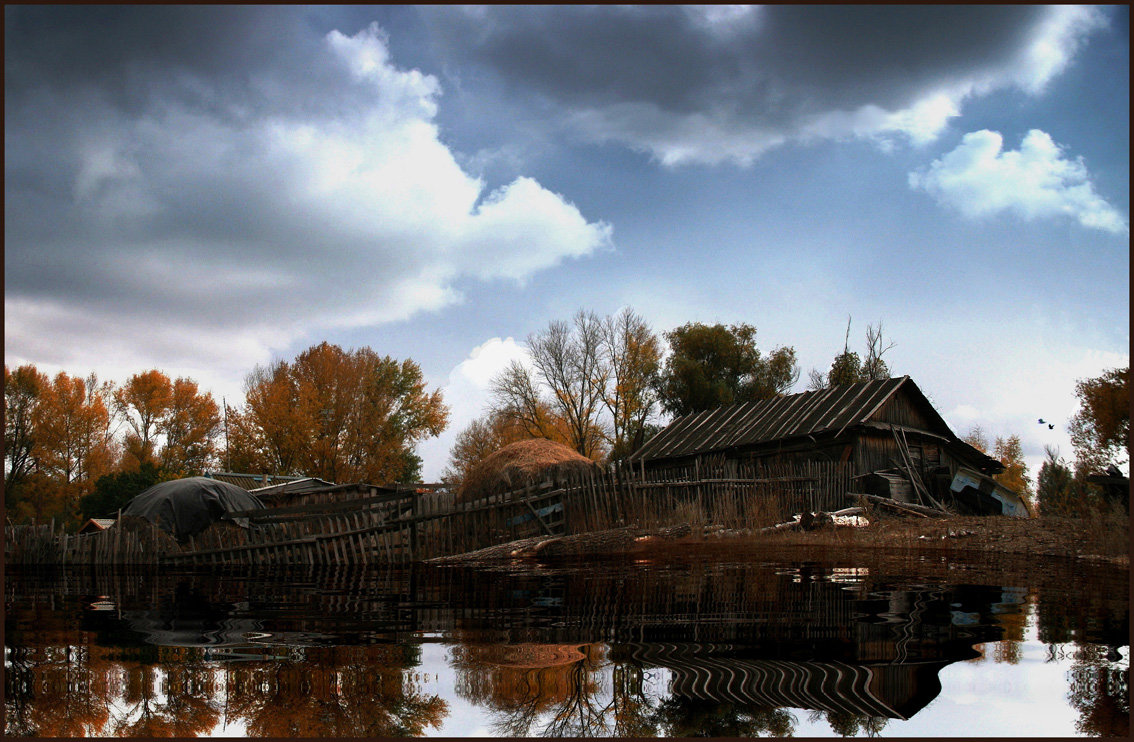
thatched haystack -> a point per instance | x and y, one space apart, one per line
521 464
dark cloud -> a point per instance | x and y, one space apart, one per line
766 70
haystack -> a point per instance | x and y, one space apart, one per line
521 464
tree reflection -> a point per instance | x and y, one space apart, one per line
846 724
523 683
337 692
681 716
1100 693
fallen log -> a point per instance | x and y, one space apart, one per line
811 521
787 526
904 507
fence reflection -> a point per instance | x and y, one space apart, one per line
727 651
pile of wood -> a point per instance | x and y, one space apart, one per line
521 464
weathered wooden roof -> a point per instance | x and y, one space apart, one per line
250 481
97 524
790 416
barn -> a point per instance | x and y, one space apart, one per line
881 428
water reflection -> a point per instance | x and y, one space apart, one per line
688 650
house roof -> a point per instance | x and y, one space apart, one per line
96 524
796 415
250 481
295 485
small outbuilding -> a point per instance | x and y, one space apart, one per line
185 507
94 525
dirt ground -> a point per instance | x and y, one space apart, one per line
1102 540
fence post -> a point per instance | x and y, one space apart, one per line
413 525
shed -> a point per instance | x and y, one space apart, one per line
94 525
855 423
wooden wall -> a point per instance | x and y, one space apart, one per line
900 409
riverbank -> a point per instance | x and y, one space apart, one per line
1096 539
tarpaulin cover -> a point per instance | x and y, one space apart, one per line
185 507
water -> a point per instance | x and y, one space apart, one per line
769 648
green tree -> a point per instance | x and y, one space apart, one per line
1100 430
714 365
115 491
849 368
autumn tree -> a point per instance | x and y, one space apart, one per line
480 438
190 426
714 365
631 355
337 415
142 402
1015 475
1100 430
72 438
977 439
1009 452
269 434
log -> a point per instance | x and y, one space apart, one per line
787 526
905 507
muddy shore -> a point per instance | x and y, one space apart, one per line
992 540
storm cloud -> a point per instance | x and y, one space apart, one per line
714 84
237 176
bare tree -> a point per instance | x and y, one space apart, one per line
874 367
566 360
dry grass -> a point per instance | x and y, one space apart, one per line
1102 537
521 464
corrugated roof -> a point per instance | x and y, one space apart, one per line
773 419
250 481
296 485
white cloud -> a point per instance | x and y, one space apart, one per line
249 224
979 179
468 393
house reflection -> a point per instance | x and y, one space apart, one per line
732 651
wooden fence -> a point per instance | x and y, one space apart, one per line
409 525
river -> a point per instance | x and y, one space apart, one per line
767 647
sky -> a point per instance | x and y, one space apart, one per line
205 189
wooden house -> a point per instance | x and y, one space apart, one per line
879 428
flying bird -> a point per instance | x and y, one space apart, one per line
1050 426
1041 421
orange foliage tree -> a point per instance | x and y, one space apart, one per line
72 436
142 402
190 425
338 415
1100 430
